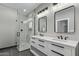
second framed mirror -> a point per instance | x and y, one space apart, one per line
42 24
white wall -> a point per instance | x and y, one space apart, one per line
7 26
50 23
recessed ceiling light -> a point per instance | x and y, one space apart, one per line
24 10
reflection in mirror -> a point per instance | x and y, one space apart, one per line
42 24
62 25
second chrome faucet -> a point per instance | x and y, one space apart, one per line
61 37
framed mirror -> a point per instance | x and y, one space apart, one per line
64 20
42 24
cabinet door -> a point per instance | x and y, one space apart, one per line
68 51
34 42
41 41
54 47
53 53
42 47
74 52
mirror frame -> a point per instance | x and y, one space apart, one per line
39 22
55 18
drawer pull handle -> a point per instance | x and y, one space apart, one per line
33 42
41 41
57 52
57 45
41 45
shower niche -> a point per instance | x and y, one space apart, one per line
64 20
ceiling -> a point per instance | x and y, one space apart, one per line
21 6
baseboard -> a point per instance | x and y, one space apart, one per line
8 47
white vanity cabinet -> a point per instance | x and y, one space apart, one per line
52 47
55 48
39 44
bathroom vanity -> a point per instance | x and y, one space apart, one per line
44 45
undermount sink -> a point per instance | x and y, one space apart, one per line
65 41
62 40
56 39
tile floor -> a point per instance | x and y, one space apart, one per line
12 51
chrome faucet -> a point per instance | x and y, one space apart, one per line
66 38
60 37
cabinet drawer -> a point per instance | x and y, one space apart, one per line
42 48
56 47
41 41
54 53
33 43
33 38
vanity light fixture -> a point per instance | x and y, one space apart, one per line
43 14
